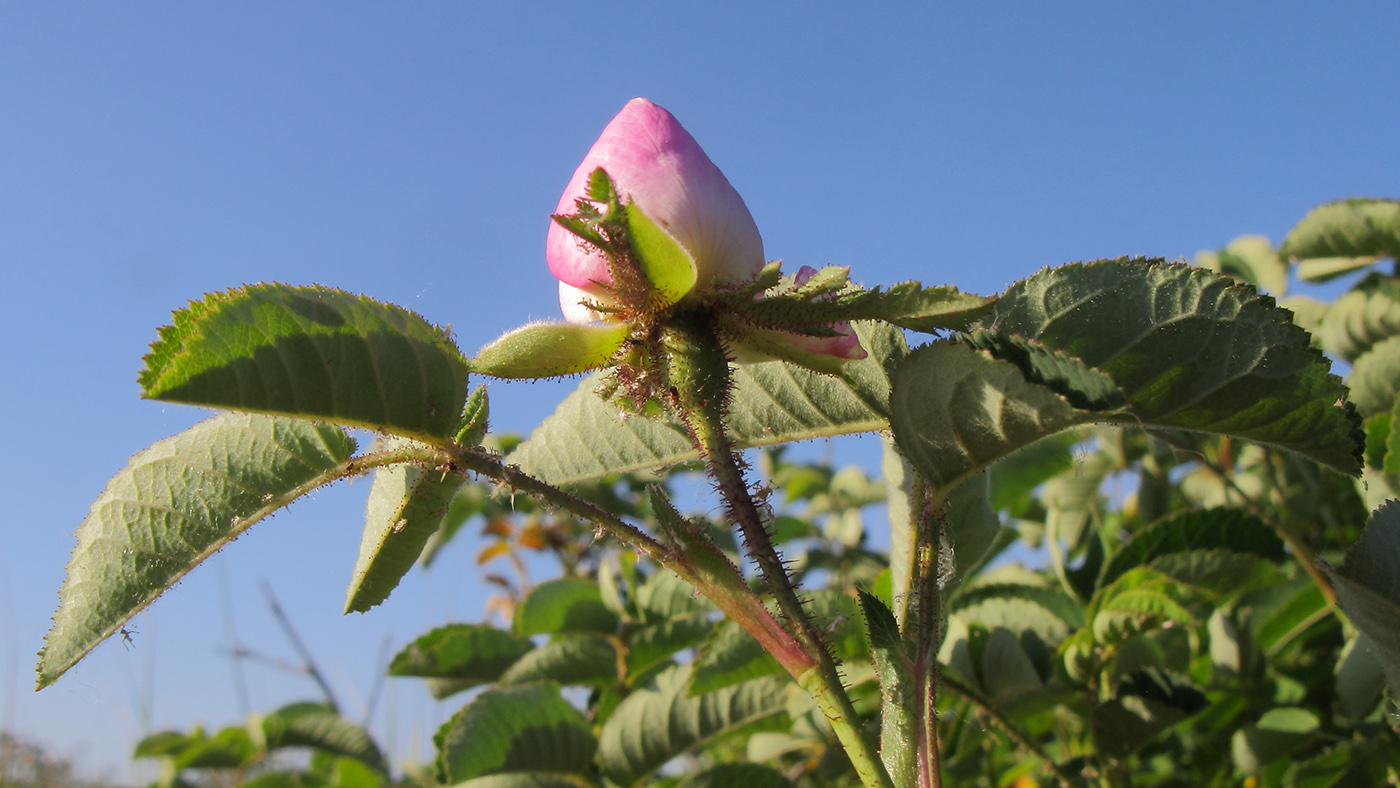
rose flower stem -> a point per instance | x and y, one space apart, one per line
700 387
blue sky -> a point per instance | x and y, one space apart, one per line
150 153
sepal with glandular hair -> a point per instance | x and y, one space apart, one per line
546 350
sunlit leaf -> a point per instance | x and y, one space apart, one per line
312 352
657 723
320 728
1188 348
528 728
472 653
175 504
568 660
563 605
1346 228
1227 529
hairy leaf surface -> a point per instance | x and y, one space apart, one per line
175 504
1346 228
774 402
474 653
529 728
405 507
319 727
657 723
312 352
1188 348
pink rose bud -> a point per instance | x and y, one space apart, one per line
656 164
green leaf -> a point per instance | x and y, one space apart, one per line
1191 349
1015 476
475 417
1284 612
526 780
227 749
954 411
1375 377
160 743
1083 387
1346 228
1360 677
568 660
1325 269
475 653
175 504
732 656
311 352
1049 612
1250 258
319 727
1363 316
1005 672
659 722
1188 348
1278 733
547 350
286 779
528 728
1368 588
898 708
665 595
665 263
405 507
1220 528
773 403
564 605
737 775
1146 703
653 643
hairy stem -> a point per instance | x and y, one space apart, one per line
926 612
700 386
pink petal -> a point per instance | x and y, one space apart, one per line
655 162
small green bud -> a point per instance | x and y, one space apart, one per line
474 416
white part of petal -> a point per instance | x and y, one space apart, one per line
571 302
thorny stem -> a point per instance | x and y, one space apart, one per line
700 381
759 624
1020 737
926 613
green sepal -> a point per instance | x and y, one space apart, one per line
907 305
765 344
666 264
175 504
548 350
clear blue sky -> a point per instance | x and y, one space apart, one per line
152 152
